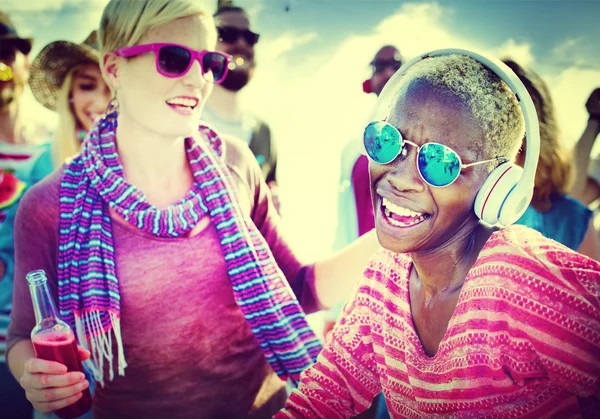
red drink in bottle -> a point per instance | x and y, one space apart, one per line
53 340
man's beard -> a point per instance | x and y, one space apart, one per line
7 96
236 79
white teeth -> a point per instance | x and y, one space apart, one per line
183 102
400 211
412 221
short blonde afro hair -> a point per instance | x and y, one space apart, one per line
490 101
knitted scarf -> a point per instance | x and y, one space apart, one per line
88 287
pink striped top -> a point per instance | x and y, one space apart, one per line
523 342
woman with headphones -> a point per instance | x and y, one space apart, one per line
461 314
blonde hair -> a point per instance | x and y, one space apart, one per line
554 174
491 103
66 144
125 22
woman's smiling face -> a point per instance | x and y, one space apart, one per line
168 106
90 95
410 215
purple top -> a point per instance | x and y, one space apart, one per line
362 194
189 349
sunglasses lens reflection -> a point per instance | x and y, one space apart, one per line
382 142
381 66
439 165
214 66
173 60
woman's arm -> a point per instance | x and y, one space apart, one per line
47 384
582 160
35 241
332 279
590 246
254 197
317 286
584 147
338 275
569 353
344 380
20 353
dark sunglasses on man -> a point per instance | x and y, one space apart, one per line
230 34
379 66
8 52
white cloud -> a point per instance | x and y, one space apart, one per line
50 5
90 20
44 20
37 5
574 52
566 47
571 85
570 90
521 53
253 10
272 49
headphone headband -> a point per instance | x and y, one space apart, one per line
532 133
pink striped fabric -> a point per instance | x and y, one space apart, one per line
523 342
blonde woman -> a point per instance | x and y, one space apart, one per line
161 240
66 78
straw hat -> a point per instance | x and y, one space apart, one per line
8 34
52 64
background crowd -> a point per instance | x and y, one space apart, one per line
294 96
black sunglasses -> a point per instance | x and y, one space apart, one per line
230 35
380 66
8 52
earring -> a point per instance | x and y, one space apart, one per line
113 105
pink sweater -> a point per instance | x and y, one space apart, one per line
524 341
190 351
361 184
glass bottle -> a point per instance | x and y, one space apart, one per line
53 339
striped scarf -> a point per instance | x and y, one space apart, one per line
88 287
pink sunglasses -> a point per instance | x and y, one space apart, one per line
174 60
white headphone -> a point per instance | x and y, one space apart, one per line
507 192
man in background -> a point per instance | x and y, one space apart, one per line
355 210
223 110
22 163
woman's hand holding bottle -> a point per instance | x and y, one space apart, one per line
50 387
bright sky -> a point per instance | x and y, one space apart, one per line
313 58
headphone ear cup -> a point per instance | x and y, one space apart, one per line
491 198
515 205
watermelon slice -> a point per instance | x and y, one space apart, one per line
11 188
